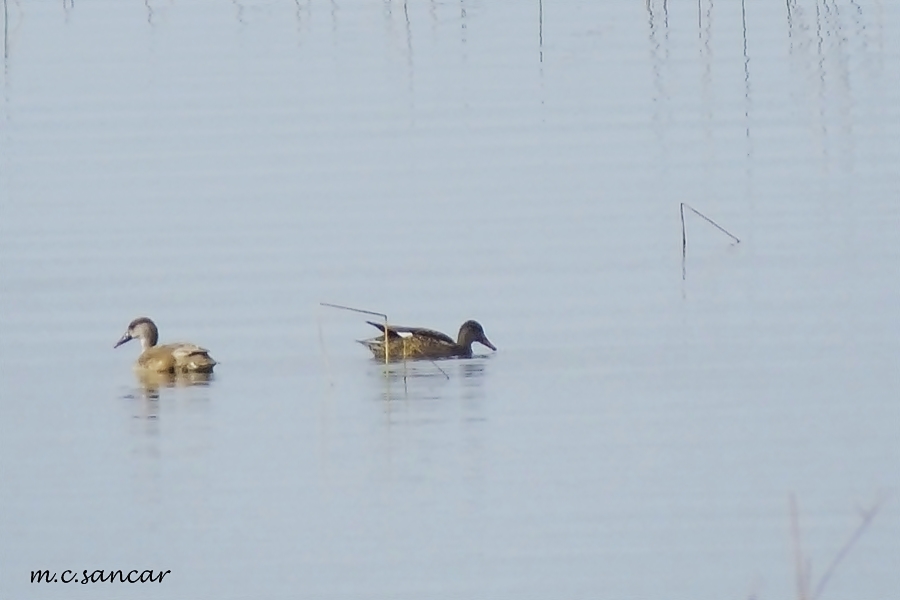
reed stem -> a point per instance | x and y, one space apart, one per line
705 218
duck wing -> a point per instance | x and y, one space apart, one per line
190 357
184 350
396 331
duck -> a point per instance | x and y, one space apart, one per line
179 357
415 343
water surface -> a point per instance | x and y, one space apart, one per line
224 168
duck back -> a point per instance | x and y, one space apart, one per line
176 358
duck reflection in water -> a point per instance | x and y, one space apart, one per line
153 381
431 380
472 370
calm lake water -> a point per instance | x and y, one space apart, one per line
225 167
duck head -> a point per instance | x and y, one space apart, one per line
472 331
143 329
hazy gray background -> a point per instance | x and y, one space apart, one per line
224 167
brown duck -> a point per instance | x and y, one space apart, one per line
168 358
413 343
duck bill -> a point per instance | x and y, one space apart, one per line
122 340
488 343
